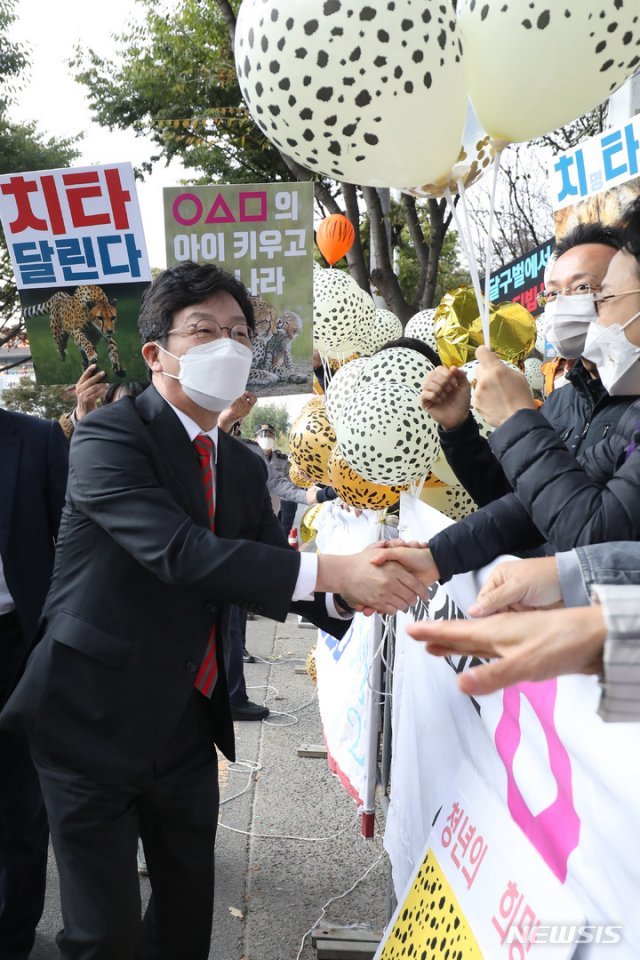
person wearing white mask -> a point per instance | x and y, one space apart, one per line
285 495
167 523
559 501
613 343
582 414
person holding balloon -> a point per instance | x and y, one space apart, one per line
558 498
582 414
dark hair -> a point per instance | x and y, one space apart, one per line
183 286
131 389
412 343
629 224
589 233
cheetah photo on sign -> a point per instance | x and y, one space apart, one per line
85 317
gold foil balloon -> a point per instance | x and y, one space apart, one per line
458 329
297 476
355 490
308 524
311 440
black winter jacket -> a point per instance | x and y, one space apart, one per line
582 412
558 498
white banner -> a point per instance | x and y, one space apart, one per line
349 669
598 164
486 888
76 226
567 779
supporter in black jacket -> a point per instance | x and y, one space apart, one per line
558 498
582 411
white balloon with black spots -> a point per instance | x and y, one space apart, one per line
420 326
369 93
396 365
534 65
535 377
540 337
337 313
342 386
385 436
386 326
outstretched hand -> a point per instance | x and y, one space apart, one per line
369 586
500 390
519 585
446 396
535 645
413 555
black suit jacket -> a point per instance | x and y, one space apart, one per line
139 580
33 478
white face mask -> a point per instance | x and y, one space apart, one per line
213 374
566 323
617 359
266 443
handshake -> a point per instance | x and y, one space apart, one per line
384 578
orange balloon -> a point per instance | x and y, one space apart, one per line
335 237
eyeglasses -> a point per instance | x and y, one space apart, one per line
209 331
600 298
548 296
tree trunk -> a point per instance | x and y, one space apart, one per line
355 257
383 278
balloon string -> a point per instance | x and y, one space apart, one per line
487 264
465 240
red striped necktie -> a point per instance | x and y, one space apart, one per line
208 672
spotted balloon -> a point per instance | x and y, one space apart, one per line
420 326
354 90
385 436
588 48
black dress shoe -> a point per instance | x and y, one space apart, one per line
249 711
247 657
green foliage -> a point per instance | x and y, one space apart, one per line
277 416
27 396
450 273
13 58
174 80
22 148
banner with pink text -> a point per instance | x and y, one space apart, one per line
565 778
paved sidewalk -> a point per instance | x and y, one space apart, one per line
270 888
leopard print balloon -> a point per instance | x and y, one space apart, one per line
371 93
311 440
385 436
297 476
355 490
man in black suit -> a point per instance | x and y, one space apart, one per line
33 477
167 522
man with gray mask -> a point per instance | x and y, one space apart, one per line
583 413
